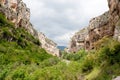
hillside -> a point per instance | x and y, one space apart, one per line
24 53
17 12
18 48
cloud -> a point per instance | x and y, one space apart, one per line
59 18
64 38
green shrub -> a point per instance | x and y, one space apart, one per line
88 63
2 19
37 42
19 74
49 62
74 56
109 52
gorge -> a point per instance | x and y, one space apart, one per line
26 54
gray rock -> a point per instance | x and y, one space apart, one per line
99 21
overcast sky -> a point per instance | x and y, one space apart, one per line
60 19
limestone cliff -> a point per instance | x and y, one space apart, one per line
98 28
107 24
17 12
79 40
48 44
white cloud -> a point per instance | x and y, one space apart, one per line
64 39
58 18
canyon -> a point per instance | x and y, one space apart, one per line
26 54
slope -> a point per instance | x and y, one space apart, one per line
17 49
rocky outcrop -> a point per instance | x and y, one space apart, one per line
79 41
85 38
114 12
117 31
48 44
108 24
17 12
114 20
98 28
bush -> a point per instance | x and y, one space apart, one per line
110 51
49 62
37 42
74 56
22 42
4 21
19 74
88 63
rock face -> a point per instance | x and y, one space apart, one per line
17 12
114 11
79 41
85 38
114 6
108 24
98 28
48 44
117 31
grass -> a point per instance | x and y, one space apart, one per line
93 74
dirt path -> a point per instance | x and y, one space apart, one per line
117 78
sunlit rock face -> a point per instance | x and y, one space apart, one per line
79 41
107 24
98 21
117 31
98 28
85 38
104 25
17 12
48 44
